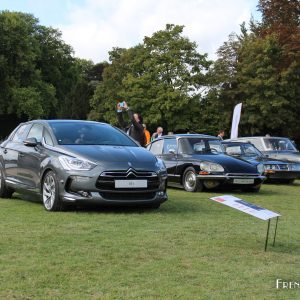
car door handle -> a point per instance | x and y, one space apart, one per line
21 154
5 151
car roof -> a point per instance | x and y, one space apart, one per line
259 137
189 135
236 142
63 121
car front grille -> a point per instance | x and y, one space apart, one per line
106 181
243 174
128 196
283 167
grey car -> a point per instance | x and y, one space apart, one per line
66 161
280 148
275 170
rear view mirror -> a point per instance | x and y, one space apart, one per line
172 151
31 142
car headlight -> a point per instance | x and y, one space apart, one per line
76 164
160 164
260 168
270 167
211 167
295 167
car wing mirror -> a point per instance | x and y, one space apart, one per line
31 142
172 151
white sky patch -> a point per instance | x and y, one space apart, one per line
94 27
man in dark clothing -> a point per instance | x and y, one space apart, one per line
135 128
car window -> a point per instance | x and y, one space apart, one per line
279 144
89 133
20 134
36 131
257 143
47 137
250 150
199 146
170 144
157 147
233 150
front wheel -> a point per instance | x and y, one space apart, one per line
190 181
50 193
253 189
5 192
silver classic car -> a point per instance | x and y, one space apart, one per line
280 148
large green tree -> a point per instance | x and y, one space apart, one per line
261 68
39 77
163 78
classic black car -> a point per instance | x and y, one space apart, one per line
66 161
275 170
198 162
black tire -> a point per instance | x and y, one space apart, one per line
5 192
50 193
152 206
287 181
254 189
190 181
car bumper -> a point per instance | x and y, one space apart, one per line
245 180
78 188
277 175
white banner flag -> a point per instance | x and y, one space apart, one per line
235 121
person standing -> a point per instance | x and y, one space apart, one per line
135 127
147 134
221 134
157 134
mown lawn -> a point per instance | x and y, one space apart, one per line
191 248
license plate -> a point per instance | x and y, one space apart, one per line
130 183
243 181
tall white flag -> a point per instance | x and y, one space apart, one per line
235 121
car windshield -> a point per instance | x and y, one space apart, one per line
279 144
247 150
88 133
200 146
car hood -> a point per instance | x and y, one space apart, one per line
262 159
290 156
137 156
229 163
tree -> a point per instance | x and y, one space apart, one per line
37 69
161 78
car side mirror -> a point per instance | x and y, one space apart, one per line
31 142
172 151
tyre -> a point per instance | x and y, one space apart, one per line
5 192
287 181
50 193
153 206
253 189
190 181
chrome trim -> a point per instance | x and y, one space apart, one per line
226 176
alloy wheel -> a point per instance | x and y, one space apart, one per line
49 191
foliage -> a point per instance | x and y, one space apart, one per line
260 68
162 78
39 77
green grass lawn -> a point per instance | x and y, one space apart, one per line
191 248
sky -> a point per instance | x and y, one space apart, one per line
94 27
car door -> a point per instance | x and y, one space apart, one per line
169 156
10 153
30 158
